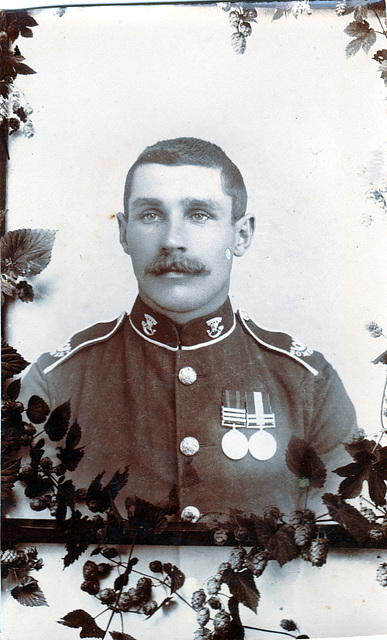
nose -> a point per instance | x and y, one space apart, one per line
174 235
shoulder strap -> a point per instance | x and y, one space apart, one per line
92 335
280 342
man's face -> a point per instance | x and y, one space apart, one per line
179 234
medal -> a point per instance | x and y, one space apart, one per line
262 445
234 444
251 410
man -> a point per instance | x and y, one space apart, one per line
183 389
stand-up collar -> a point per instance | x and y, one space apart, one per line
200 332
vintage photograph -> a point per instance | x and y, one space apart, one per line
194 409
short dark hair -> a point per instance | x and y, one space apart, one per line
186 151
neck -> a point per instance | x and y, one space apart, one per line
182 317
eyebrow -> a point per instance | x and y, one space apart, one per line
208 203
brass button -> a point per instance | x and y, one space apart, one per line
190 514
187 375
189 446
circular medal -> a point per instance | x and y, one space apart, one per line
262 445
235 445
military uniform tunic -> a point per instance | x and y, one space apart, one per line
149 394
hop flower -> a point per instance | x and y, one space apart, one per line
25 291
241 534
203 616
90 570
220 536
125 601
150 607
375 330
203 634
272 514
214 602
381 574
213 586
318 551
156 566
144 589
107 596
369 514
198 599
234 18
245 29
380 55
288 625
257 562
224 566
104 569
237 557
222 621
90 586
376 534
38 504
8 557
238 42
28 129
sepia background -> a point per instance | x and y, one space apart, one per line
306 126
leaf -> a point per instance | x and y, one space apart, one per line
80 618
278 13
68 455
363 444
360 12
377 489
9 474
110 553
243 588
65 498
58 422
12 361
382 359
176 576
264 530
282 545
38 486
78 537
23 69
364 37
121 581
148 517
13 389
99 499
173 504
118 635
29 593
347 516
303 461
37 409
27 251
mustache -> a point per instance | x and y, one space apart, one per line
180 264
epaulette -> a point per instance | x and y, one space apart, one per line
280 342
92 335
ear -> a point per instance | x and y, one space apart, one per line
122 226
244 232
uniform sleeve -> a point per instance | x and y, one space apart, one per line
333 415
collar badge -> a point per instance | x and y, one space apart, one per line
148 324
215 328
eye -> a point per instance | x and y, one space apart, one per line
150 216
199 216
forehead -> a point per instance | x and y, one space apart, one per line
177 183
